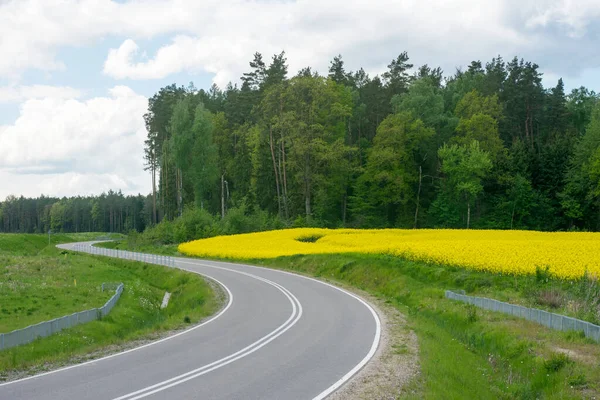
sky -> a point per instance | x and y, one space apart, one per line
75 75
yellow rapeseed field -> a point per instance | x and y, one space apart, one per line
567 254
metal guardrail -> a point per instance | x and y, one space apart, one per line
47 328
158 259
551 320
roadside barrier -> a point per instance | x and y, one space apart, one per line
47 328
551 320
158 259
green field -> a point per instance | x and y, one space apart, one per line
37 283
35 287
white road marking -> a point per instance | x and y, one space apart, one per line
177 380
365 360
374 345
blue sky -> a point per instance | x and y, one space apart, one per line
75 75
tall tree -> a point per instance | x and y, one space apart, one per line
337 73
387 189
479 121
204 163
464 167
397 77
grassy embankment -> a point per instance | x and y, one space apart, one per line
467 352
40 282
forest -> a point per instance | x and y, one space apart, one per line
487 147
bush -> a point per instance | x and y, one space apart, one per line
472 313
579 381
132 239
162 233
542 275
556 362
236 221
197 223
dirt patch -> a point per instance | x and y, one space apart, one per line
574 354
395 363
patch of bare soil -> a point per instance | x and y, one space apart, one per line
577 354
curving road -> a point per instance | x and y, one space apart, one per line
280 336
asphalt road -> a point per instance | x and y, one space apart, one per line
280 336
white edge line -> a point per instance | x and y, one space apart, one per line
177 380
376 340
229 295
365 360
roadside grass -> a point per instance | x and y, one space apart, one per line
42 285
30 244
467 352
38 283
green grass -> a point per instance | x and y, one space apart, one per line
37 283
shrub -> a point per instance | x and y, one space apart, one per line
472 313
578 381
556 362
542 275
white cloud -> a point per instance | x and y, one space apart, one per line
65 146
183 54
574 15
14 94
220 37
312 32
31 31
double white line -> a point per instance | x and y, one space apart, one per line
177 380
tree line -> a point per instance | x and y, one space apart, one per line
486 147
109 212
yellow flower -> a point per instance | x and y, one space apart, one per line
567 255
